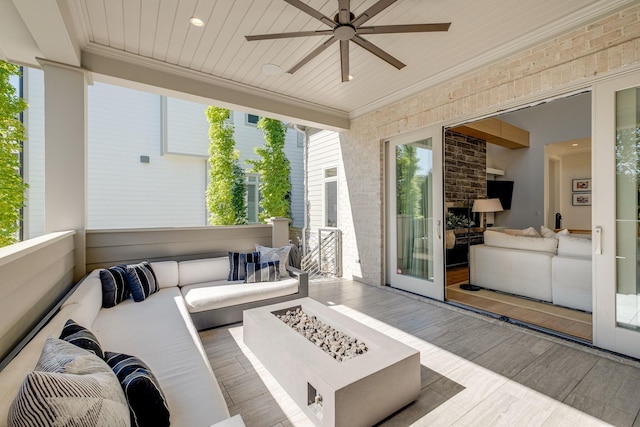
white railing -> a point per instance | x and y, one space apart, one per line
326 258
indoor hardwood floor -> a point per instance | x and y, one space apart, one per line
564 320
475 370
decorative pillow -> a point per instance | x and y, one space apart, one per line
275 254
141 280
82 337
147 403
263 272
72 387
237 260
529 232
114 285
547 232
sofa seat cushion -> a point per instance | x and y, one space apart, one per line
209 296
159 331
525 243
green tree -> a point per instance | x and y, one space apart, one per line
274 169
12 132
226 190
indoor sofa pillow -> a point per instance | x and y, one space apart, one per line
114 285
147 404
528 232
81 337
263 272
275 254
69 386
237 261
141 280
547 232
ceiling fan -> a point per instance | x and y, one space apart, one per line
345 27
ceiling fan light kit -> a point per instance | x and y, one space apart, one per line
346 27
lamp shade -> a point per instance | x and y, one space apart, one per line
487 205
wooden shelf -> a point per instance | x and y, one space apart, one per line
496 132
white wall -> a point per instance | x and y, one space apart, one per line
34 152
574 165
561 120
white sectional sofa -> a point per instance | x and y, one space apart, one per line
553 269
160 331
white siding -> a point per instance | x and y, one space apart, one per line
324 152
168 191
187 129
34 152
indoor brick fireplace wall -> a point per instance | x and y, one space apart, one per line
465 171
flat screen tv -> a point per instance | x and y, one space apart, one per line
502 190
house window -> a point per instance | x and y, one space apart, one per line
253 198
331 197
252 119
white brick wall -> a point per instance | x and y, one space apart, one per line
600 47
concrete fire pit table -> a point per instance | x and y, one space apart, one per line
356 392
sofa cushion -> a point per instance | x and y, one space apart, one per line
114 285
203 270
82 337
237 262
530 232
536 244
147 403
70 386
275 254
166 273
204 296
141 280
263 271
574 246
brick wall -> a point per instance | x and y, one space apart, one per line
465 168
601 47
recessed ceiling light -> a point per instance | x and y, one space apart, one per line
574 145
197 22
350 77
271 69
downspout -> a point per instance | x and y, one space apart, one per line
305 155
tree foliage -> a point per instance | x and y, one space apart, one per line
274 169
226 190
12 132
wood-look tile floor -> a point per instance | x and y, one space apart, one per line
475 370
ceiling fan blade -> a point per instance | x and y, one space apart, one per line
311 11
344 12
378 52
344 59
287 35
409 28
317 51
372 11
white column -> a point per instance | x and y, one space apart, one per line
280 236
65 106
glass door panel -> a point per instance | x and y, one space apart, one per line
414 223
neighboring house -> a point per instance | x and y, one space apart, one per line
147 159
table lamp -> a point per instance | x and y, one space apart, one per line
483 206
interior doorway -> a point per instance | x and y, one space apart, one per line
516 282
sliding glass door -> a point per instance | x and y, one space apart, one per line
616 155
414 243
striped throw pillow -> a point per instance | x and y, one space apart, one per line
114 285
147 404
81 337
142 281
263 272
237 261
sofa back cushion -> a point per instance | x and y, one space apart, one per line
536 244
203 270
574 246
166 273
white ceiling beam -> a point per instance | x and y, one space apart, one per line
16 44
50 25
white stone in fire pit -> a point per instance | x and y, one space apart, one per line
355 392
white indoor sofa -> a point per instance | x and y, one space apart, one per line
552 269
160 331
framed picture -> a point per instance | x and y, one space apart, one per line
582 184
581 199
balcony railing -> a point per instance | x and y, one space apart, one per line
325 260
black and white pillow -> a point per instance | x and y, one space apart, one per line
142 281
147 403
69 386
263 272
237 261
275 254
82 337
114 285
